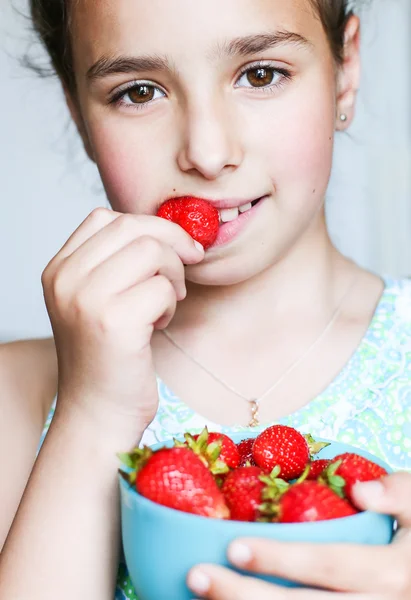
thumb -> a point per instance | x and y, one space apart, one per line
390 495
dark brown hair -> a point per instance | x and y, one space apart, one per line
51 21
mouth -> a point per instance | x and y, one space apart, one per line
228 209
230 214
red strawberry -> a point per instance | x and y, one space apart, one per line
311 501
196 216
248 492
176 478
348 468
242 491
286 448
317 467
170 210
245 448
229 453
217 450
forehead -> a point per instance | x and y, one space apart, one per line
175 27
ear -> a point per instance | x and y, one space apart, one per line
349 75
75 113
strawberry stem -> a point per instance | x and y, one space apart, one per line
304 474
335 482
208 453
314 446
275 487
134 461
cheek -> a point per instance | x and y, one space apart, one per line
128 163
307 149
298 142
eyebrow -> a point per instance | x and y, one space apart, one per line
107 65
253 44
241 46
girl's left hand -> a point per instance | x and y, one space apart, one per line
343 571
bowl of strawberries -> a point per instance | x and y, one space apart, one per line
184 502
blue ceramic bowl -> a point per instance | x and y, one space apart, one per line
161 545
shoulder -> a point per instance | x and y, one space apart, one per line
28 375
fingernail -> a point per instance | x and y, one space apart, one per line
199 246
370 492
199 582
240 554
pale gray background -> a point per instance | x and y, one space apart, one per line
48 186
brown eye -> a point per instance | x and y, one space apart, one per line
260 77
141 94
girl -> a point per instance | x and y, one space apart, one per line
236 102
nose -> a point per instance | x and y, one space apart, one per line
211 142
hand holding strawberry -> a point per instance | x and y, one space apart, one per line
116 280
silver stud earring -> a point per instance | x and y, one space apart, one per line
343 118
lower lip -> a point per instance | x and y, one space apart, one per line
229 231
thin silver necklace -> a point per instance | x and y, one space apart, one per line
254 403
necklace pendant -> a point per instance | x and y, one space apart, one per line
254 407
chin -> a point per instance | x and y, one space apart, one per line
226 271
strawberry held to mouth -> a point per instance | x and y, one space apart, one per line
196 216
170 210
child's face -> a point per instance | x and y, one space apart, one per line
198 125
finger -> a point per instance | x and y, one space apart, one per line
390 495
342 567
140 260
123 230
217 583
146 304
97 220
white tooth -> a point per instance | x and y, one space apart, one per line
245 207
228 214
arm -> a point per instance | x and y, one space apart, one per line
112 283
28 384
69 513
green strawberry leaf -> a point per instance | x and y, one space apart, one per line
214 450
314 446
336 481
127 460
